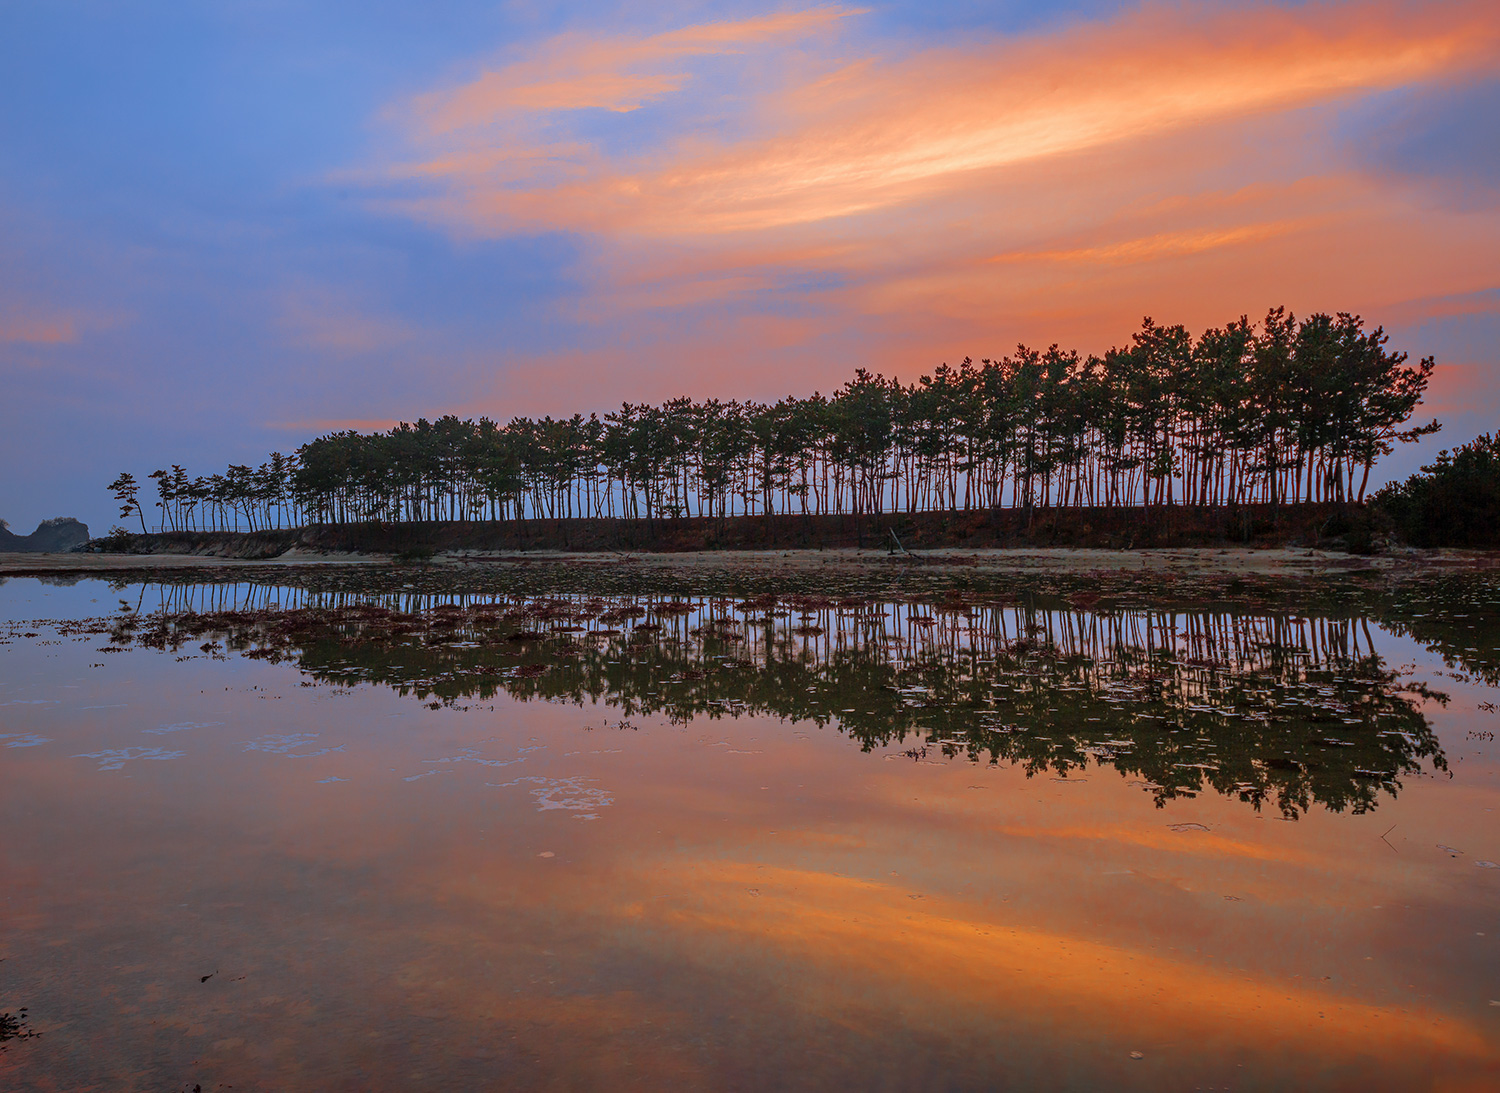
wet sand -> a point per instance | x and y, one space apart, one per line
1284 561
25 563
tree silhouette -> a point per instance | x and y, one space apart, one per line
127 493
1279 412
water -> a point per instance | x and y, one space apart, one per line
279 837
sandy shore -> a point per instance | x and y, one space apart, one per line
23 562
1290 562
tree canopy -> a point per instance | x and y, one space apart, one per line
1278 412
1453 501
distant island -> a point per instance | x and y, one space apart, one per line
55 536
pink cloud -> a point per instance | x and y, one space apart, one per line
38 329
577 71
333 425
320 317
876 135
897 210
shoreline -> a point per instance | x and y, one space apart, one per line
1293 562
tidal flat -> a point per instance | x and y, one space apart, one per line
611 824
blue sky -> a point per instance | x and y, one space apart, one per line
225 228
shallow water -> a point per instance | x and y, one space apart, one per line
269 838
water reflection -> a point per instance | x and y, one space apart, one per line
433 862
1277 710
15 1026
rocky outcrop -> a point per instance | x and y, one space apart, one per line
55 536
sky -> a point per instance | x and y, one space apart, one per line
226 228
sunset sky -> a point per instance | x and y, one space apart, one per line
227 227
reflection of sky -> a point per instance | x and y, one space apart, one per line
786 904
227 228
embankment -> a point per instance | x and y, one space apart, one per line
1329 526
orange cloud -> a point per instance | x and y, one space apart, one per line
1472 303
767 356
1462 389
1158 245
37 329
1354 248
577 72
905 209
875 135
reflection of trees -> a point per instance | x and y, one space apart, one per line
1455 615
15 1026
1270 708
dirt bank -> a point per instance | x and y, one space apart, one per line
1335 527
18 563
1285 561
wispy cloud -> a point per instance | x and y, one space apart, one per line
326 318
874 134
618 73
37 328
333 425
902 203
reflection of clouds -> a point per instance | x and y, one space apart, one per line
1203 843
23 739
116 758
288 743
964 959
1184 698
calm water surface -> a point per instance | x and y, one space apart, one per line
262 838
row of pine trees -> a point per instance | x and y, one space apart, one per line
1277 412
